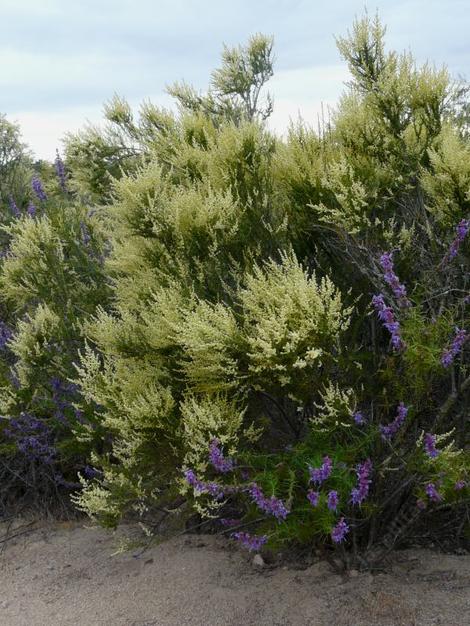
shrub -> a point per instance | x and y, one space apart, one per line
51 280
286 349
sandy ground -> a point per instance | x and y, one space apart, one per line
66 574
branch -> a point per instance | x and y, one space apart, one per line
451 400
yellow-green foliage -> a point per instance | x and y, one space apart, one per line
292 323
191 316
447 181
212 416
50 250
35 250
350 198
34 341
210 339
335 409
235 259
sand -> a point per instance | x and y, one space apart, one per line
66 575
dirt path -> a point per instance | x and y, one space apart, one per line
65 575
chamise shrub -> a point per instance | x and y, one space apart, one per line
270 333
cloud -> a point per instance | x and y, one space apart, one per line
60 61
305 93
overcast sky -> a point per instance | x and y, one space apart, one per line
60 60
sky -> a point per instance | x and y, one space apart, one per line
60 61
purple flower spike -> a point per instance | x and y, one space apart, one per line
228 522
313 497
216 457
421 504
86 238
456 346
333 500
60 171
430 445
91 472
318 475
386 316
253 543
38 189
5 335
13 207
211 488
31 210
339 532
459 485
461 231
360 493
272 506
433 493
391 429
399 290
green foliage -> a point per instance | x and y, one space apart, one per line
98 155
236 87
51 280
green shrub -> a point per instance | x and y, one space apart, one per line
285 349
51 280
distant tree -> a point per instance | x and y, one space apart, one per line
15 165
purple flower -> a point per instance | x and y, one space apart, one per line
333 500
60 171
386 316
38 189
360 493
229 522
252 542
191 478
456 346
214 490
33 438
421 504
5 335
13 207
216 457
86 238
391 429
433 493
318 475
91 472
211 488
272 506
359 418
430 445
461 232
31 210
399 290
339 532
313 497
459 485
